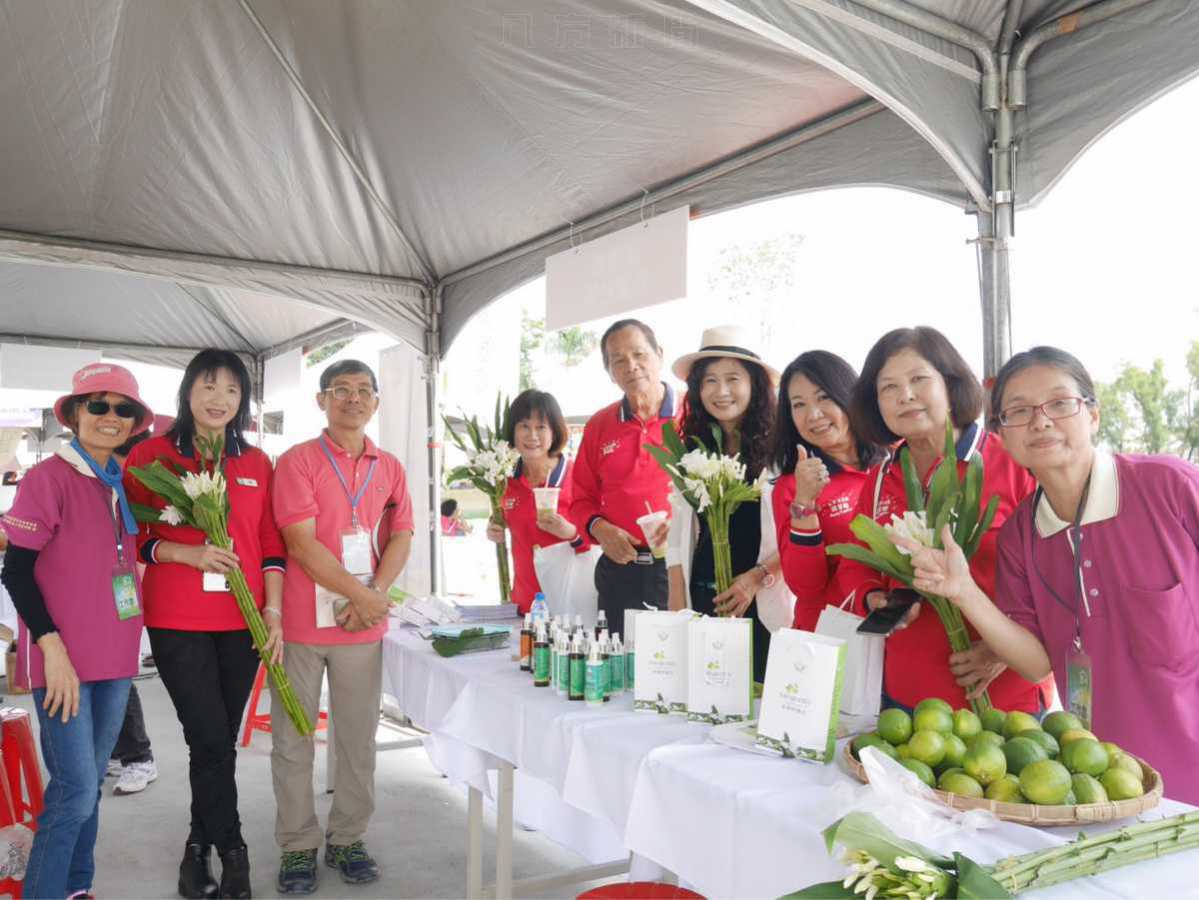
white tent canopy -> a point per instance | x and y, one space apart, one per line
254 172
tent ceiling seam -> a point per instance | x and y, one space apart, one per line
219 314
427 270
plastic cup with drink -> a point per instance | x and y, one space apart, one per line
650 524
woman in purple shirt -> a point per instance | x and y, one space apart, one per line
72 544
1098 569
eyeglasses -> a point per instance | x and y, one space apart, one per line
341 393
1060 408
124 410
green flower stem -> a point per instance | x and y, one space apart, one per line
501 549
722 556
959 639
216 530
1102 853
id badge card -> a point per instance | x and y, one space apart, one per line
356 551
124 592
215 582
329 604
1079 692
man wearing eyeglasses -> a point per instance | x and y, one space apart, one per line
333 497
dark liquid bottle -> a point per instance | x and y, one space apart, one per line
526 644
541 657
578 670
601 624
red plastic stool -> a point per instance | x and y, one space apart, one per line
8 816
256 721
21 767
639 890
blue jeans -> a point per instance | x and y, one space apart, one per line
76 754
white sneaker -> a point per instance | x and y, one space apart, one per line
114 769
135 777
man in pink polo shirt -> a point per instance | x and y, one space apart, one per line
333 496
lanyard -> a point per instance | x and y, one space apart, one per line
117 528
1074 534
354 498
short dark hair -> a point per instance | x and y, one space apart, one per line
835 377
1043 355
449 506
621 325
209 362
348 367
757 425
965 393
530 403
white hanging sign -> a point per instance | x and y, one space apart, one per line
637 266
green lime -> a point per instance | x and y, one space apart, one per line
895 726
865 740
1046 782
993 719
1020 751
1129 764
985 763
1112 750
1070 799
933 718
986 737
1085 756
966 724
928 747
1005 790
1045 739
1018 721
946 771
886 748
1060 721
1074 734
1121 784
1088 789
903 750
933 703
955 750
961 784
923 772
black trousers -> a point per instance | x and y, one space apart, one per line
209 675
133 744
629 587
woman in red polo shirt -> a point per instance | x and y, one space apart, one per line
201 645
913 382
823 464
537 430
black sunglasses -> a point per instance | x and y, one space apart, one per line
125 410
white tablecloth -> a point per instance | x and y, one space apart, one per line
730 823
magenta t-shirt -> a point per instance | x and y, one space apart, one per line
67 517
1141 572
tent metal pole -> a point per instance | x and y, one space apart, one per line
260 391
434 439
1068 24
930 23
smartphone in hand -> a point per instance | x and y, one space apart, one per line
883 621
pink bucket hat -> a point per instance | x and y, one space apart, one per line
104 378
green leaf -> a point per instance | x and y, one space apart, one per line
968 501
862 831
976 882
858 553
672 442
943 487
832 890
144 513
718 438
911 481
876 538
984 526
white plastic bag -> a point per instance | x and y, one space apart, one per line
862 692
567 579
15 843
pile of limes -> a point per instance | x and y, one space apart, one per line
1006 756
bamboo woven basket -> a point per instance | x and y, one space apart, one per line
1046 816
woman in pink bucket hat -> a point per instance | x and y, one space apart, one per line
70 568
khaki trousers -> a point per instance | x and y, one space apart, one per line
355 683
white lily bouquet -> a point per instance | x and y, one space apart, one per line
200 500
952 501
713 484
490 462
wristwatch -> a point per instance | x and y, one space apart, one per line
767 578
802 510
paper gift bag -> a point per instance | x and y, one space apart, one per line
720 665
801 699
660 666
567 579
862 692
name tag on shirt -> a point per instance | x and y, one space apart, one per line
248 482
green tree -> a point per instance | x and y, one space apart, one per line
1115 421
320 354
575 344
532 336
757 279
1159 408
1189 433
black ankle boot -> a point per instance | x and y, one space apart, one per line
235 872
195 872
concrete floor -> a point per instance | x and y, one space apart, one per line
418 833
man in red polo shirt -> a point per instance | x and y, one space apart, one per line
615 477
331 495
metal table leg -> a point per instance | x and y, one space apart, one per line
474 844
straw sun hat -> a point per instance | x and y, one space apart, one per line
724 341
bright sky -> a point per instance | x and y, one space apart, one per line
1104 268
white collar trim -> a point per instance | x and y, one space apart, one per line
75 461
1103 498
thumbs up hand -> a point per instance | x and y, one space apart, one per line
811 476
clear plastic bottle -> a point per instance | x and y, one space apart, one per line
594 688
540 609
601 623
